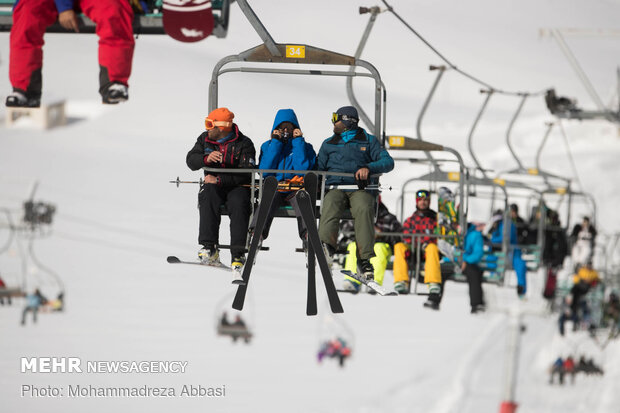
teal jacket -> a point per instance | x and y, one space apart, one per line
362 151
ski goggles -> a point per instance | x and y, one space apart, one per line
336 117
210 123
422 194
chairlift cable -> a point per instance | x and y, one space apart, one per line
454 67
38 263
11 228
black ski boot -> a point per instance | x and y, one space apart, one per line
367 271
115 92
19 99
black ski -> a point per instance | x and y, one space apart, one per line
311 186
306 209
270 187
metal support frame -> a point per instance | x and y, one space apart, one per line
431 93
509 130
374 11
578 70
488 93
314 56
540 148
258 26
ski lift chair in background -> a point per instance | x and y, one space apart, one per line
237 328
436 176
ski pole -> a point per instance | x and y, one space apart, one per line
178 182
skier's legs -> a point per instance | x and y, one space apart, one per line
401 268
474 279
277 202
24 312
432 272
210 199
30 19
334 204
350 264
239 209
363 212
383 252
114 21
521 269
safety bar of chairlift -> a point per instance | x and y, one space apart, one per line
261 172
314 56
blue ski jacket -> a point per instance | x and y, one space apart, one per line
496 236
296 154
364 150
474 246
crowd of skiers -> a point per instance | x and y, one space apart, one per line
567 367
374 235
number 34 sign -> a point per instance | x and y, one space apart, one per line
294 51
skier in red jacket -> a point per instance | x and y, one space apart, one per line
113 19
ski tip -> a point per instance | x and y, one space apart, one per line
238 282
173 260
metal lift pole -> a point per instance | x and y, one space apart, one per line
509 130
489 93
258 26
427 102
540 148
358 53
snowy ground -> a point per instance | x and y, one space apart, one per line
118 218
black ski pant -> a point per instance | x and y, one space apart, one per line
280 199
474 278
237 200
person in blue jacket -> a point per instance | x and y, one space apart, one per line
288 150
33 302
518 264
354 151
472 255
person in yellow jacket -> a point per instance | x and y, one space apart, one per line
585 278
384 245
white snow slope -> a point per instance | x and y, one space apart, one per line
107 172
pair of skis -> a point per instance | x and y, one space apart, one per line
175 260
303 203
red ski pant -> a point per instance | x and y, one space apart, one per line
113 19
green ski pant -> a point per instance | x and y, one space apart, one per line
362 205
